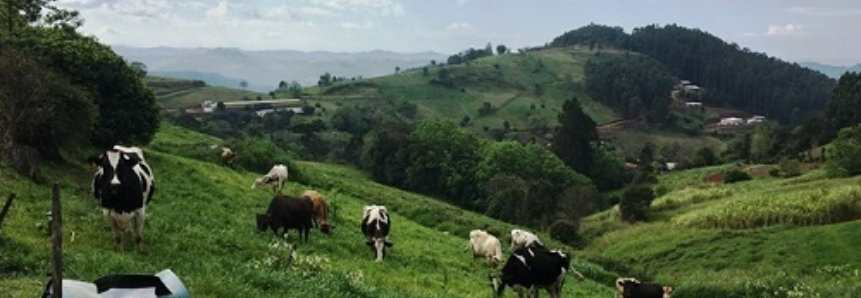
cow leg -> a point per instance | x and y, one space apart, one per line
139 219
118 234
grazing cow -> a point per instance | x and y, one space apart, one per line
227 156
521 238
530 269
321 209
124 185
277 176
375 226
485 245
632 288
287 213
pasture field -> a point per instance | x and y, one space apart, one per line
769 237
201 225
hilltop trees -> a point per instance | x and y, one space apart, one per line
631 85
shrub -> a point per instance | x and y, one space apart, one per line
844 157
789 167
736 175
566 231
635 202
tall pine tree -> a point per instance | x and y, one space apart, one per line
575 138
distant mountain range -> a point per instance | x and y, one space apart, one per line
830 70
263 70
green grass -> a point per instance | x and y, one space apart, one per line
201 225
183 94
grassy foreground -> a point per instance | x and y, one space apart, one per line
201 225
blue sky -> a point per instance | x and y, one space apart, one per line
827 31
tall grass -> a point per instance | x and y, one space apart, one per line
804 207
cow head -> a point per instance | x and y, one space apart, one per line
117 173
668 291
378 245
325 228
263 222
628 286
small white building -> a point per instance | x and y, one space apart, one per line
208 106
731 121
692 88
693 104
755 119
262 113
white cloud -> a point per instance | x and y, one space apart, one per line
109 31
374 7
218 12
458 26
357 26
789 29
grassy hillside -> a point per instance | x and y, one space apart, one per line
518 86
201 225
183 94
768 237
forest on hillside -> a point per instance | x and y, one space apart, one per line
730 75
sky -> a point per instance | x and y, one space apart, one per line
825 31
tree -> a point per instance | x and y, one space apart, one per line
40 108
575 138
243 84
765 141
127 110
844 157
18 16
844 110
501 49
397 69
433 62
442 160
325 79
636 201
140 68
425 71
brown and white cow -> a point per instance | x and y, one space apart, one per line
321 209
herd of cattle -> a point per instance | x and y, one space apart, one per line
124 184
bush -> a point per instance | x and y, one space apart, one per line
789 167
844 157
566 231
736 176
635 202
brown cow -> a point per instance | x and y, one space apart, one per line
321 209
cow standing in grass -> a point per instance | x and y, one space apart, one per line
287 213
227 156
124 185
633 288
277 176
529 269
321 210
484 245
375 226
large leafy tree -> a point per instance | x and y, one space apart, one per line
39 108
127 111
844 158
442 161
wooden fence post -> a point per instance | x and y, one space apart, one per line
6 208
57 242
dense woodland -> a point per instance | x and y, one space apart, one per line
730 75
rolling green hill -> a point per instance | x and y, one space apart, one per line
184 94
201 224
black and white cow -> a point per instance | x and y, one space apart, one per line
124 185
632 288
529 269
375 226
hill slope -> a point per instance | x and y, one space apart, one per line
201 225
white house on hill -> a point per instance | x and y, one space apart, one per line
731 121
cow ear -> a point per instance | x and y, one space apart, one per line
388 244
369 243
